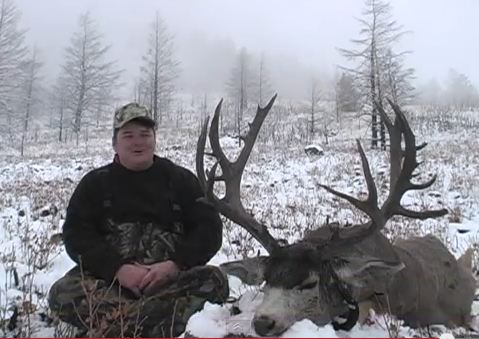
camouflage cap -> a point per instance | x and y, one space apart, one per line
130 112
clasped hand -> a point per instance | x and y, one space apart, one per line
146 279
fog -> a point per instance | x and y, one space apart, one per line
298 38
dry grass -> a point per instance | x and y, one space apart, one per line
280 189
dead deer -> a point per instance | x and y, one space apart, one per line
334 270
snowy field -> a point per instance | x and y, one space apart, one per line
280 187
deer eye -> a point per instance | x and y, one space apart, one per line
307 285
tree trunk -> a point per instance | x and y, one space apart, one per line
60 139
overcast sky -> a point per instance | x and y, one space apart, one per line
444 33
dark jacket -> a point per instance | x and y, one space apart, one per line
114 194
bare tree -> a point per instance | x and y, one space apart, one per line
314 101
159 71
86 72
30 88
460 93
431 93
239 87
138 92
12 55
103 102
398 79
60 115
347 95
263 86
204 107
377 66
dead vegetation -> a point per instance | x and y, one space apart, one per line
281 187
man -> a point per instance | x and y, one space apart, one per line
141 235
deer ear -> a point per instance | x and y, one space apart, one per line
250 271
366 271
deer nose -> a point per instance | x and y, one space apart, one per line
263 325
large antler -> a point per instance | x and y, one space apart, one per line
403 163
230 205
400 178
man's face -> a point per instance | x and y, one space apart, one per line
135 146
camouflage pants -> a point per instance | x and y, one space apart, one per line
103 310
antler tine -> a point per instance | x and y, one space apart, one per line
402 182
254 128
384 116
200 152
395 137
230 205
215 140
341 237
211 183
403 164
395 151
421 146
370 205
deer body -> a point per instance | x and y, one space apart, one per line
430 287
433 287
326 276
418 280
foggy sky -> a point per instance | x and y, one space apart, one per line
306 33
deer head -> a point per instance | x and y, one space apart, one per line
321 277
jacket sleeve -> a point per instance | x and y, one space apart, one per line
202 224
84 242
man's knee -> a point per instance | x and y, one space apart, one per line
168 317
67 297
64 291
167 313
62 297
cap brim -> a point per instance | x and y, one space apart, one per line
143 120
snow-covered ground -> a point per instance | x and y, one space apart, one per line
280 187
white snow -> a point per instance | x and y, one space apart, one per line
280 187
